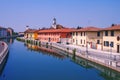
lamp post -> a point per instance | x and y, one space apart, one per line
111 51
87 48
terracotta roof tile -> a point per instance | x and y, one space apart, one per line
55 30
87 29
116 27
31 31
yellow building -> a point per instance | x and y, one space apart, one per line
90 37
31 34
111 39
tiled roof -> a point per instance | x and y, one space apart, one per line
116 27
31 31
87 29
55 30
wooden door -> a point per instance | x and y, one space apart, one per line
118 48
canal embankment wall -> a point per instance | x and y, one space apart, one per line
104 61
3 51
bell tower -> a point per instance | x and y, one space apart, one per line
54 23
27 27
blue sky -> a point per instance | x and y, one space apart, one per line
70 13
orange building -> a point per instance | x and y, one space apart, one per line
55 35
31 34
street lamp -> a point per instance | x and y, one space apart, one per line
87 48
111 50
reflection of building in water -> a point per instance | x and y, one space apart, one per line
8 40
11 40
44 50
107 73
33 47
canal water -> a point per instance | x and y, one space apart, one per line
30 62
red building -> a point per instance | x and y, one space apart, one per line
55 35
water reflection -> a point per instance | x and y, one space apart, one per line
45 51
8 40
106 73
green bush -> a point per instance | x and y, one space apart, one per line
74 52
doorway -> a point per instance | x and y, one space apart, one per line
76 42
118 48
49 40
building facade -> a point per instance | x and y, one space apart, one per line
31 34
90 37
10 32
106 39
111 39
55 35
3 32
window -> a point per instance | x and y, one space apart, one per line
81 41
112 33
112 44
73 33
106 43
73 40
81 33
118 38
106 33
84 33
98 34
76 33
98 41
76 41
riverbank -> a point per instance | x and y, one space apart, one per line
3 51
14 36
106 59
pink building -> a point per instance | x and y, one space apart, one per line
55 35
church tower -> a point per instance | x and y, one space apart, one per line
54 23
27 27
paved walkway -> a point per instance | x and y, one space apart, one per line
1 47
3 51
97 53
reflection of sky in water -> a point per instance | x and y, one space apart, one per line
26 64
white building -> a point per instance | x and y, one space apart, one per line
3 32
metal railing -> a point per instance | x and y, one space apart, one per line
107 59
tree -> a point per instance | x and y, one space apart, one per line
79 27
113 24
